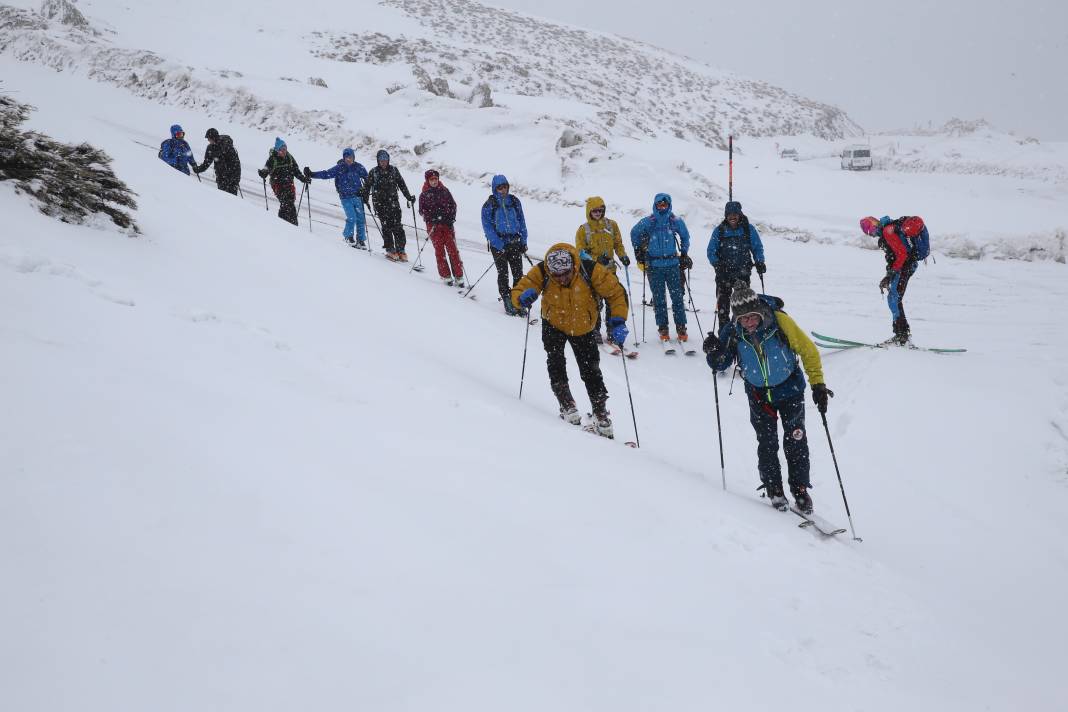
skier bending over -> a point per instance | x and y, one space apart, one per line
733 250
905 242
222 153
768 345
570 287
655 240
348 178
599 239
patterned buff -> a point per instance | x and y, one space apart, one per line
559 262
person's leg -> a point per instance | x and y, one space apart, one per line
902 322
515 261
553 340
657 286
438 238
503 288
349 206
723 298
795 440
361 223
449 239
678 305
588 357
387 233
765 423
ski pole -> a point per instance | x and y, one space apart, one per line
241 192
719 431
419 250
266 206
839 473
418 256
645 278
523 373
308 186
633 418
488 267
689 292
528 259
763 290
303 187
730 169
633 318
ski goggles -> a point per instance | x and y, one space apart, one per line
597 211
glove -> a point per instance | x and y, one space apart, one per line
885 282
711 343
603 259
761 268
625 260
617 328
307 172
685 262
263 172
641 254
528 297
820 394
411 201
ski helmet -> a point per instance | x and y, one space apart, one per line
175 130
212 134
912 226
870 226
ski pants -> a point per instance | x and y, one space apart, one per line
725 283
393 238
227 182
445 252
510 257
287 200
668 277
355 220
589 362
898 285
765 417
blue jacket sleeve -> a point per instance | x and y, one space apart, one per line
755 244
487 221
637 233
328 173
713 247
680 226
522 220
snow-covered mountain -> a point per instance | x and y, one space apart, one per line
243 467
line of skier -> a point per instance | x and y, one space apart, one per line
578 283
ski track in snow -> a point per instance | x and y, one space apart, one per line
289 475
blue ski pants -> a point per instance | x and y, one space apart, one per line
354 217
669 277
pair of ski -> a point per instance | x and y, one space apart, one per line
613 350
817 524
673 347
830 342
589 425
414 268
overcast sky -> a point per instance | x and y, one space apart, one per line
889 64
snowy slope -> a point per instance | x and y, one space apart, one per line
244 467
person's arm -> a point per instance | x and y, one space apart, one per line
713 247
450 208
755 245
531 280
488 227
403 186
617 239
328 173
607 286
725 349
581 244
522 220
893 241
684 234
802 346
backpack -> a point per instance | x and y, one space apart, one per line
919 247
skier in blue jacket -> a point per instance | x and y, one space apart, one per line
733 250
506 237
348 178
658 240
175 152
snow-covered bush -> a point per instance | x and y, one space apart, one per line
72 183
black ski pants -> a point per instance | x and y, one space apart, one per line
287 200
510 257
588 357
389 216
765 418
725 282
227 181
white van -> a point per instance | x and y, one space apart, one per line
856 158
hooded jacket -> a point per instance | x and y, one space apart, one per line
599 238
436 205
573 309
381 186
502 219
733 250
347 179
175 152
655 234
223 154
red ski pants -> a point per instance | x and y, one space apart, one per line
444 239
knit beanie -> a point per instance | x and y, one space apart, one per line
745 301
732 208
279 144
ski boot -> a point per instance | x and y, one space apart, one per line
663 331
393 257
603 425
569 414
801 498
458 280
352 242
773 491
447 281
681 332
403 256
902 333
361 245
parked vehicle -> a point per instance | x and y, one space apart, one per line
789 154
856 158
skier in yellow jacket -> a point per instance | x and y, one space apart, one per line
569 313
599 238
